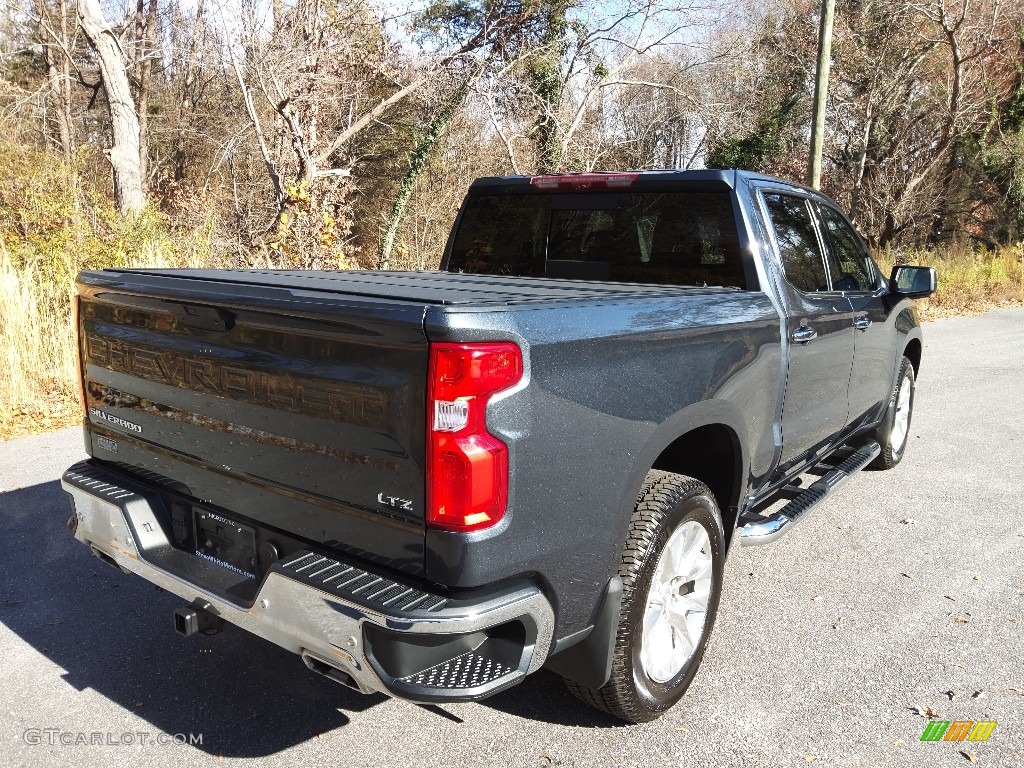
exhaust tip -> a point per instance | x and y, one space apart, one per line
330 670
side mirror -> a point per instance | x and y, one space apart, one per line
912 282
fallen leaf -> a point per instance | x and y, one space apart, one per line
958 619
810 758
970 756
898 742
1018 691
928 712
816 597
950 694
683 729
977 577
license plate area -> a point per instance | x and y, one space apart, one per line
224 541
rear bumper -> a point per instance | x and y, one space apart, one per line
359 628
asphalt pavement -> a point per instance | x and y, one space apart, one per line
900 598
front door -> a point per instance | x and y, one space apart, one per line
874 353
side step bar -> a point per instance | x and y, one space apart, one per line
778 524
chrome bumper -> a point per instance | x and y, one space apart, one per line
356 632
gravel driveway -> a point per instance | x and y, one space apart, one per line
903 594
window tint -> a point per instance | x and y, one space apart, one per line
501 235
850 265
798 243
668 238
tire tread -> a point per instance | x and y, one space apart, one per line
659 493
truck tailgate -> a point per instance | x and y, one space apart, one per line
294 409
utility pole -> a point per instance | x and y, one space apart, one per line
828 8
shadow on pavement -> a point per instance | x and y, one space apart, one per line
544 697
113 633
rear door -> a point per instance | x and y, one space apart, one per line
820 330
301 413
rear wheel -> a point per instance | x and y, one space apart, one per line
671 573
894 433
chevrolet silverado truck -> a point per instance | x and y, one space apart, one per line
434 483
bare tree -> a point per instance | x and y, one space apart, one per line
569 87
914 82
145 53
124 153
56 43
188 94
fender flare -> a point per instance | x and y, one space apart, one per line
701 414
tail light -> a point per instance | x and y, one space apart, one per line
584 181
467 467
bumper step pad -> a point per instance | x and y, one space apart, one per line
355 584
466 671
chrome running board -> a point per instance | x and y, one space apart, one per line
776 525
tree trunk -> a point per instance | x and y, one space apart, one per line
58 75
546 80
186 103
146 51
124 154
417 163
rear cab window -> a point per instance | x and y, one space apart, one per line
687 238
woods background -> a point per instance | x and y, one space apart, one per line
333 135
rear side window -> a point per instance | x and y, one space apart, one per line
798 242
850 265
668 238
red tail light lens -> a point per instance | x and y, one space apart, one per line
584 181
467 467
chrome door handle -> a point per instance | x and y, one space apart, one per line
804 333
862 323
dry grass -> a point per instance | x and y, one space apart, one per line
50 229
969 281
36 351
38 378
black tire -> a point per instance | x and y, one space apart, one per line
666 502
894 448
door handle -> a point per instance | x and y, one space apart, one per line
804 333
862 323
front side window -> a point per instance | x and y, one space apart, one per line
849 263
798 242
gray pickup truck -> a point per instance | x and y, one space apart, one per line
434 483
